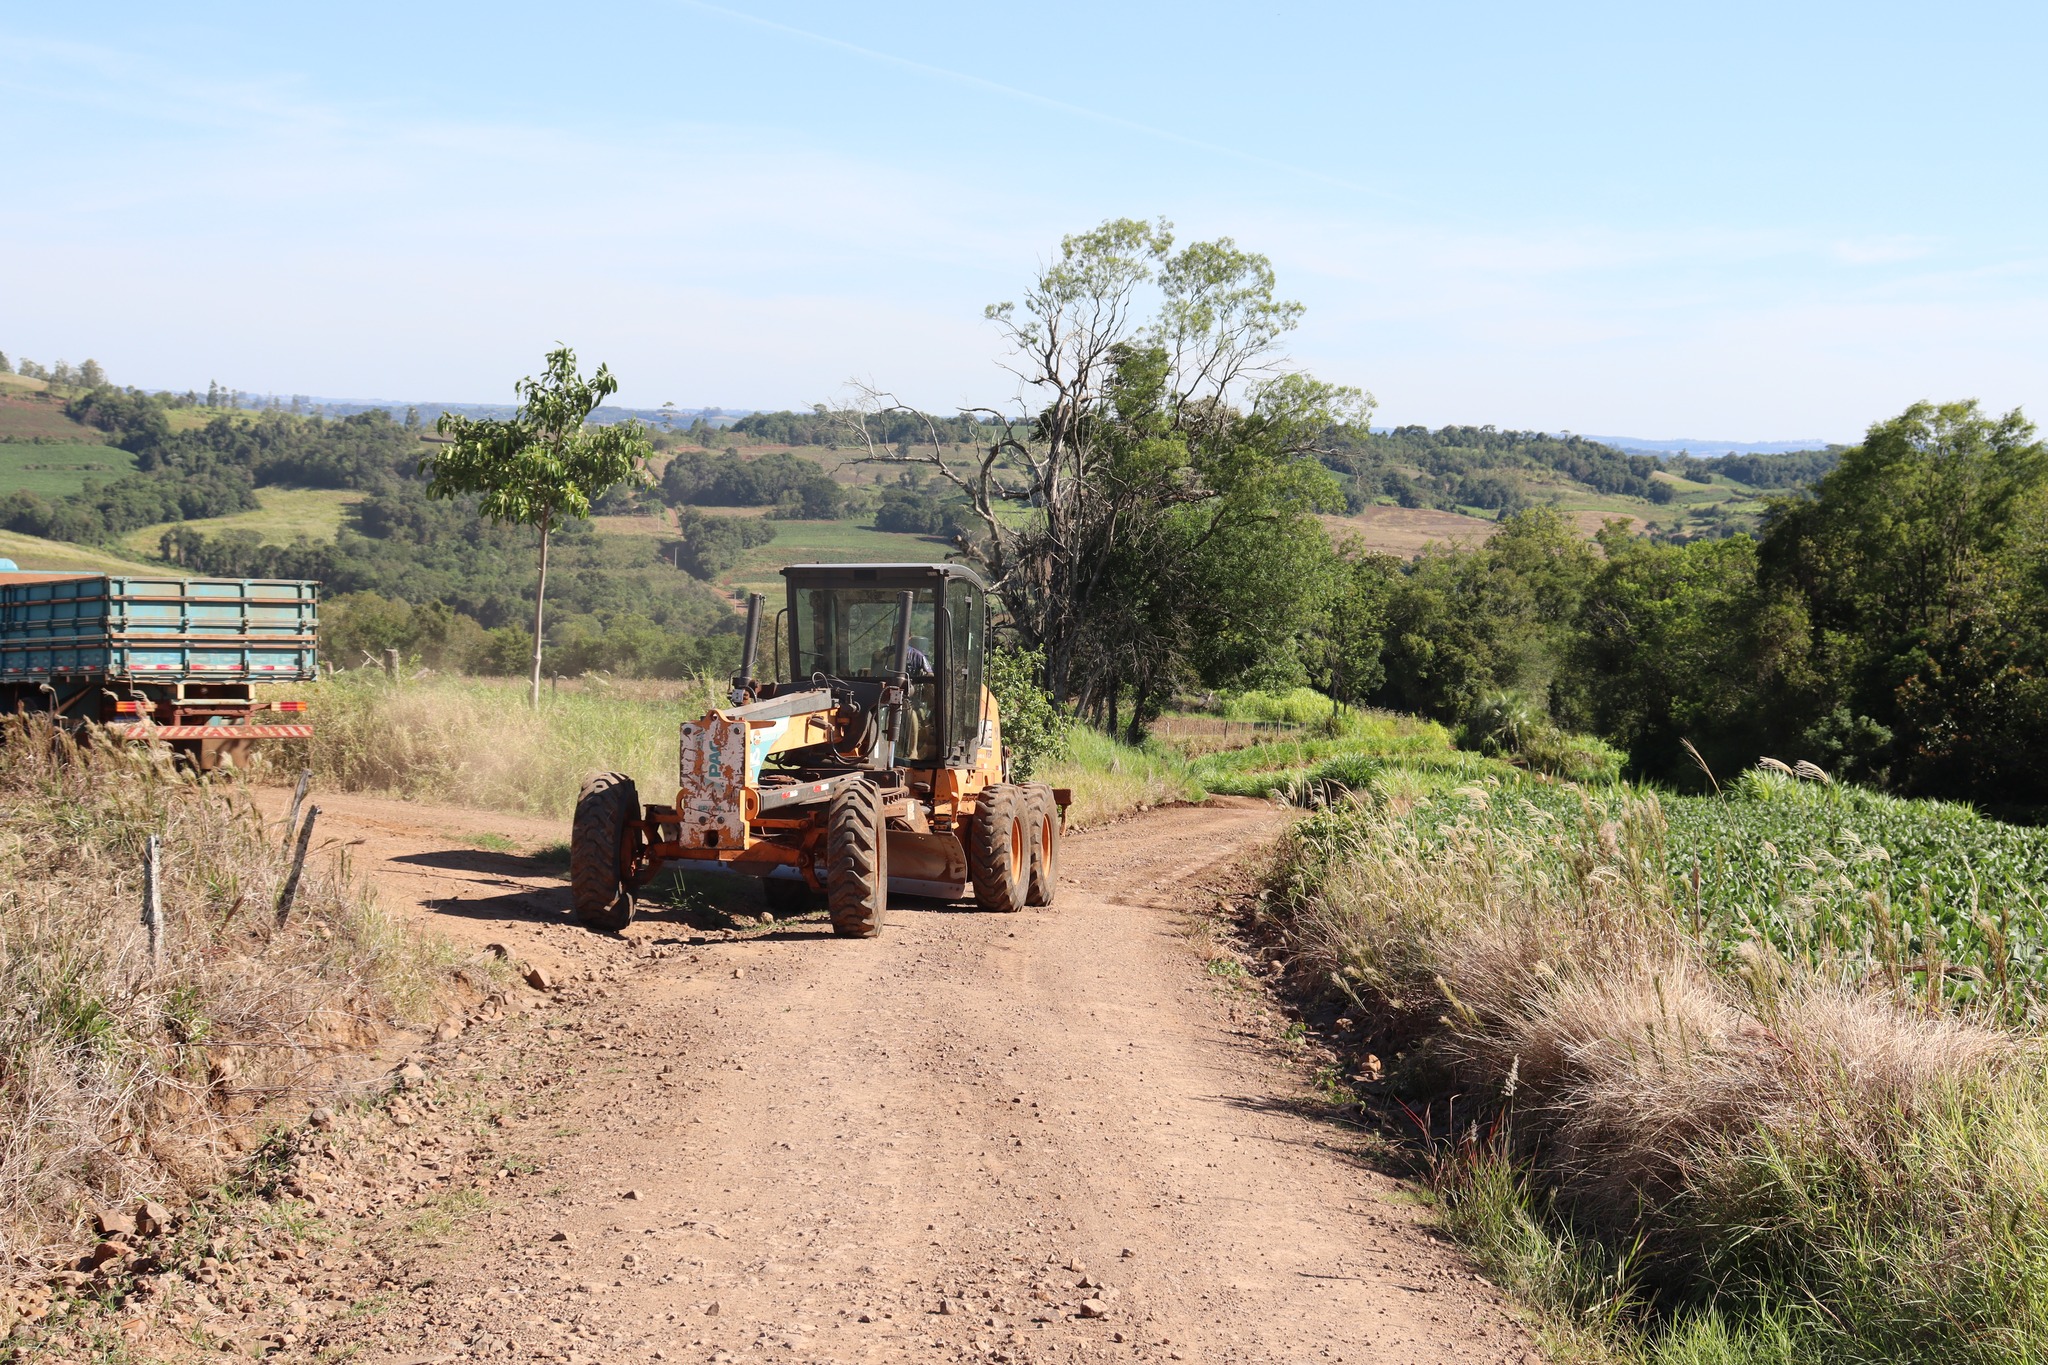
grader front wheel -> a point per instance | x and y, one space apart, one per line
999 849
856 862
597 874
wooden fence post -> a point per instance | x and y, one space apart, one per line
391 664
291 881
291 822
153 899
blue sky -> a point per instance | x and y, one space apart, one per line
1739 222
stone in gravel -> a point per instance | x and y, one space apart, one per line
322 1117
1127 1253
713 1309
410 1076
630 1194
559 1236
738 972
110 1250
540 979
448 1030
1094 1308
152 1219
498 950
114 1223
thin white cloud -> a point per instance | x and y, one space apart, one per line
947 74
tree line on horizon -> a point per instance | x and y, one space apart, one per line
1151 522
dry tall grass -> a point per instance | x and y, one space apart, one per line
1819 1161
476 742
126 1076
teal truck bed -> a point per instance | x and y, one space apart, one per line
158 658
118 626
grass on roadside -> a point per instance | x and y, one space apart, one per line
132 1076
1691 1135
476 742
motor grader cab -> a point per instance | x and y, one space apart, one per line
868 759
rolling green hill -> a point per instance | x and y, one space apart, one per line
286 515
28 552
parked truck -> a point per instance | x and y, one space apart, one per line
174 659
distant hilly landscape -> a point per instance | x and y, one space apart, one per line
1692 445
1405 488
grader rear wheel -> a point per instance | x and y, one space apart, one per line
999 849
1045 853
597 836
856 862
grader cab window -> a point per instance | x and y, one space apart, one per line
964 624
850 634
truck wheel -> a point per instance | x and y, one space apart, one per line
1045 853
999 848
597 875
788 897
856 862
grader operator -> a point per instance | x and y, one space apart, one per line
870 759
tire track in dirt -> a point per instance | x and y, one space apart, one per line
1011 1137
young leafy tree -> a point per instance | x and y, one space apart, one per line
541 467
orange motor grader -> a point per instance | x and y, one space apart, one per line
870 760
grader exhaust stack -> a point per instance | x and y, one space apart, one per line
875 764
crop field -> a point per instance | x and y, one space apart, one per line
827 542
1926 896
39 419
1405 531
286 514
55 469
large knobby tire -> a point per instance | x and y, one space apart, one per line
597 881
856 861
1045 850
999 848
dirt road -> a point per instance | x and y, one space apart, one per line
1039 1136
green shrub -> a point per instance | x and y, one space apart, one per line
1033 725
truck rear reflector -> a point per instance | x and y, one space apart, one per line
213 731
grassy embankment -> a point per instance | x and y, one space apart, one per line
1745 1078
128 1077
473 741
